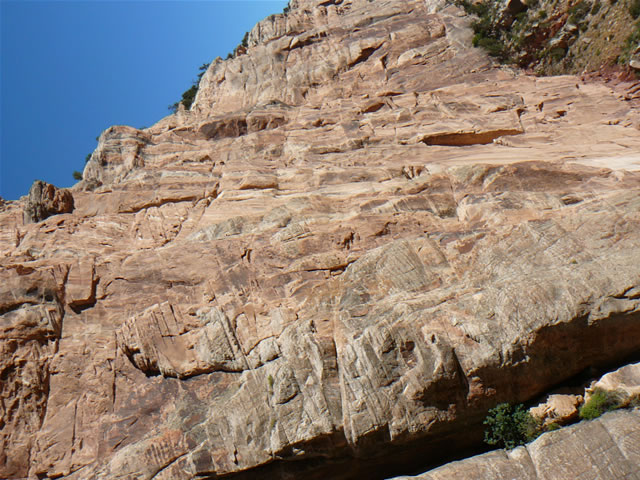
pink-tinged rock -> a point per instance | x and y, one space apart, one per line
45 200
361 237
625 381
558 408
81 284
29 331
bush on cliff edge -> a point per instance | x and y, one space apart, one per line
509 426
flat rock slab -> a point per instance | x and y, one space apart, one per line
607 447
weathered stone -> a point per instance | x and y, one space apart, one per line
625 382
81 283
361 237
30 327
603 448
45 200
558 408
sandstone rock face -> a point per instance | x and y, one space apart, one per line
45 200
362 236
558 408
607 447
29 332
625 381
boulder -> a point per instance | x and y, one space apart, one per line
625 382
45 200
557 408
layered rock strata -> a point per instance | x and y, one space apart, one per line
362 236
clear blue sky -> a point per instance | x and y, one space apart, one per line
70 69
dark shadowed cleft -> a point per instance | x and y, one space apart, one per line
461 139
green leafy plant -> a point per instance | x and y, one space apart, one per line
630 44
601 401
77 175
578 12
510 426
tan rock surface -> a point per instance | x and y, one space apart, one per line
558 408
607 447
625 381
361 237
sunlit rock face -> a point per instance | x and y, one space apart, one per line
362 236
611 442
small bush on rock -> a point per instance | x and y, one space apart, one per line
601 401
510 426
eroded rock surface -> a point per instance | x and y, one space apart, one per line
607 447
29 332
45 200
625 382
362 236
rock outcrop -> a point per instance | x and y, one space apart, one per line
625 382
45 200
608 447
362 236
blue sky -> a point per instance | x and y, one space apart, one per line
70 69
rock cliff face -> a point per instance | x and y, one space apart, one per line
611 444
362 236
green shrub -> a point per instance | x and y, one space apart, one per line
77 175
630 44
601 401
494 47
510 426
557 53
552 426
634 8
578 12
481 9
